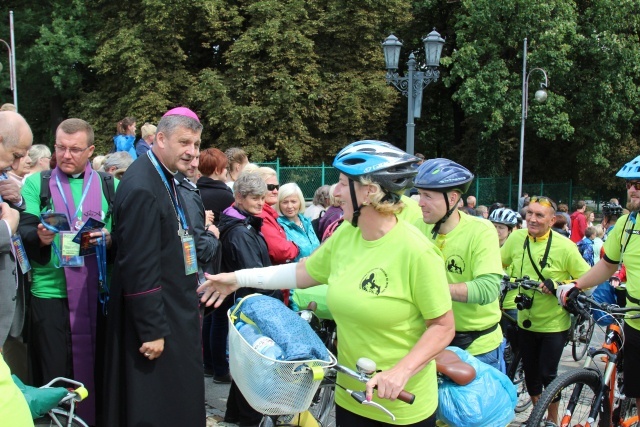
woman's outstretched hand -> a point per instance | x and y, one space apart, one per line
216 288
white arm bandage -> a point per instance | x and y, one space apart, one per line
275 277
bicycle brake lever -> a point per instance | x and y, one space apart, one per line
361 398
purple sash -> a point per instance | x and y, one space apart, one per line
82 285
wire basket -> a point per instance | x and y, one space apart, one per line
273 387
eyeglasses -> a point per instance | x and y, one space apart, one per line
634 184
272 187
544 201
74 151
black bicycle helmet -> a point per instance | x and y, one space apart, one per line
611 209
383 163
443 175
504 216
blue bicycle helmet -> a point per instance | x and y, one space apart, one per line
384 164
504 216
443 175
631 170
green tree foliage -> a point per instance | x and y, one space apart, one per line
299 79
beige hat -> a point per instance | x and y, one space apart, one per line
147 129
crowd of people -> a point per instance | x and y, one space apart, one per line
132 259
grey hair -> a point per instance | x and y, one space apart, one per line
39 151
119 159
321 195
291 189
249 184
168 124
10 124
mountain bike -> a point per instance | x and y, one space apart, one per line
580 334
593 394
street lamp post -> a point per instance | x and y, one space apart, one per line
541 96
12 62
416 79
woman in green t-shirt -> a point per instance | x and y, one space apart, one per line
387 287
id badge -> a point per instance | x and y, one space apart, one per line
21 255
70 251
189 252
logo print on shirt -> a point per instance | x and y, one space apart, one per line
375 281
455 264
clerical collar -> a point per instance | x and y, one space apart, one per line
540 239
78 175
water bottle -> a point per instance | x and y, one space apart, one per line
261 343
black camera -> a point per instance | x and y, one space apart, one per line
523 302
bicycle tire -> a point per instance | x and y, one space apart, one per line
62 416
627 410
565 384
323 403
581 337
515 372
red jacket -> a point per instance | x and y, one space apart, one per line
578 226
281 250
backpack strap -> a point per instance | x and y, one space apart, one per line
108 190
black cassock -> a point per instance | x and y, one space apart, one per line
151 297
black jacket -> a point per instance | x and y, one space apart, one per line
216 196
243 246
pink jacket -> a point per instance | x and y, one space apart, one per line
281 250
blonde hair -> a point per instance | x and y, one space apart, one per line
333 199
98 162
599 231
290 189
147 129
265 172
388 207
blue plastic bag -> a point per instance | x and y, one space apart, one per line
488 401
285 327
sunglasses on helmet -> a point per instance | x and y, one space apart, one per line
544 201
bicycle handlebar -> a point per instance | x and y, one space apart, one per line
583 300
404 395
511 283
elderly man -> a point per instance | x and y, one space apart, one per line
66 319
148 134
546 256
118 161
15 140
154 353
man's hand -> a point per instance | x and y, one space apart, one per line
216 288
214 230
96 234
12 216
10 191
46 236
152 349
566 292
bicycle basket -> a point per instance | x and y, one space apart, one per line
273 387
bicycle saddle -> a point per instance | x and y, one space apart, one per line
448 363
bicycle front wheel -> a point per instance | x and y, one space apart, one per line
515 372
63 418
322 406
577 390
581 337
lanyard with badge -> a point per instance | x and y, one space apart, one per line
188 244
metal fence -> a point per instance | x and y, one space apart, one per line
486 190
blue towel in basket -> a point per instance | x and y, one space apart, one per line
292 333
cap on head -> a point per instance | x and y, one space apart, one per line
182 111
443 175
384 163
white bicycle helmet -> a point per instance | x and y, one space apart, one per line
504 216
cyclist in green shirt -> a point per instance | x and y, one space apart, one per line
542 254
470 248
622 245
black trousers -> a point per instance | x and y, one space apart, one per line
541 352
346 418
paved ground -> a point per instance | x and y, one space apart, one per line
216 394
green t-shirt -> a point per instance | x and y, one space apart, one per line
380 294
472 249
49 281
625 234
411 211
563 263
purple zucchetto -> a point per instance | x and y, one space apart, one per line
182 111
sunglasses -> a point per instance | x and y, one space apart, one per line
634 184
272 187
544 201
